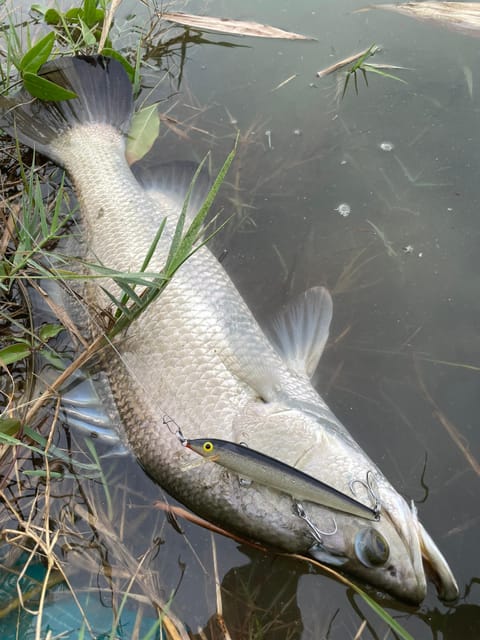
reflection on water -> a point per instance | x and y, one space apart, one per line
401 369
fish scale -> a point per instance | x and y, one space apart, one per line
197 359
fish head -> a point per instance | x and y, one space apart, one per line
394 554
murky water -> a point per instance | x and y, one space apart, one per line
402 262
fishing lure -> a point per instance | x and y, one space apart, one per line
273 473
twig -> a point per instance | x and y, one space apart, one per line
450 428
218 593
183 513
82 359
108 23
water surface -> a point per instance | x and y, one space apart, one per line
402 366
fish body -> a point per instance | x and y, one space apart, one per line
198 357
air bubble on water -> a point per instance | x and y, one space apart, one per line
343 209
387 146
297 132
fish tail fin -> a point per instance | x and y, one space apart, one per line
103 95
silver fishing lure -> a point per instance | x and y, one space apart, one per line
277 475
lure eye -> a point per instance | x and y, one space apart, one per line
208 447
371 548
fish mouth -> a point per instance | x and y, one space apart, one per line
436 567
427 560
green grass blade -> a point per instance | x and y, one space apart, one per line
380 72
38 54
153 246
106 489
177 236
192 234
382 613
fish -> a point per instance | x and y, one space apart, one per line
273 473
197 358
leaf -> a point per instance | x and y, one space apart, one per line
10 426
143 133
112 53
380 72
38 8
177 236
73 15
14 353
87 34
41 473
356 59
233 27
44 89
186 245
52 17
37 55
89 12
48 331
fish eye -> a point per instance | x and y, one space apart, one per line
371 548
208 447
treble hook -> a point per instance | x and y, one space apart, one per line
317 533
369 488
167 421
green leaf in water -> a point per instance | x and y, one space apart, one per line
44 89
383 614
87 34
112 53
48 331
10 426
41 473
38 8
73 15
143 133
52 17
89 7
14 353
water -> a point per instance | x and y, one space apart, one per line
401 369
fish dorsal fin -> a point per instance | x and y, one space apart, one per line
173 179
301 331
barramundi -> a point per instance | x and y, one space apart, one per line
198 359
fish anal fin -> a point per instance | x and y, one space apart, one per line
88 408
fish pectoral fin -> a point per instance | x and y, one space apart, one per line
261 378
319 553
301 331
